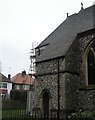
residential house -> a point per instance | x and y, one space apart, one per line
5 86
22 81
65 66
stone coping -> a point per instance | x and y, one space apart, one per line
87 87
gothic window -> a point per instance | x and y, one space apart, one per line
91 65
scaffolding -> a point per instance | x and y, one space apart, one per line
32 69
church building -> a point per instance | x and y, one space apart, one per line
65 66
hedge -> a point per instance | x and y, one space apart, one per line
18 95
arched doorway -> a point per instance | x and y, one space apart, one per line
45 97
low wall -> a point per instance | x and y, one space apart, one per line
13 104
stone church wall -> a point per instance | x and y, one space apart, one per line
75 78
46 67
47 77
47 80
71 76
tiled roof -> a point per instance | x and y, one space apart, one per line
22 79
59 41
4 78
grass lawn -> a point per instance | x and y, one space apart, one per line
14 113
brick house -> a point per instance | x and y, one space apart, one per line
22 81
5 86
65 66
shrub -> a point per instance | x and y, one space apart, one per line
18 94
85 115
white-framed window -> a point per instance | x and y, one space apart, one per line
3 85
0 85
18 87
26 87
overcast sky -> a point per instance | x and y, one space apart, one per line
23 22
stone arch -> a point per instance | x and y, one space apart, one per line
46 90
89 63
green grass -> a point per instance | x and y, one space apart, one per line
13 113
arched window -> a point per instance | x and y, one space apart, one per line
91 64
91 68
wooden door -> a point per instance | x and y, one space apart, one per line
46 104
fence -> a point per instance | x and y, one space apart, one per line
24 115
64 115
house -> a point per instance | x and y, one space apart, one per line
22 81
65 66
5 86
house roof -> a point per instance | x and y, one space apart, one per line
22 79
4 78
59 41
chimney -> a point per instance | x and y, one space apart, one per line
67 15
9 76
23 73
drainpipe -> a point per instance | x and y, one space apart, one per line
58 91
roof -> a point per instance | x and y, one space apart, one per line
4 78
59 41
22 79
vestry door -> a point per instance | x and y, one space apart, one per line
46 104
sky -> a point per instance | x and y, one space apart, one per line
23 22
